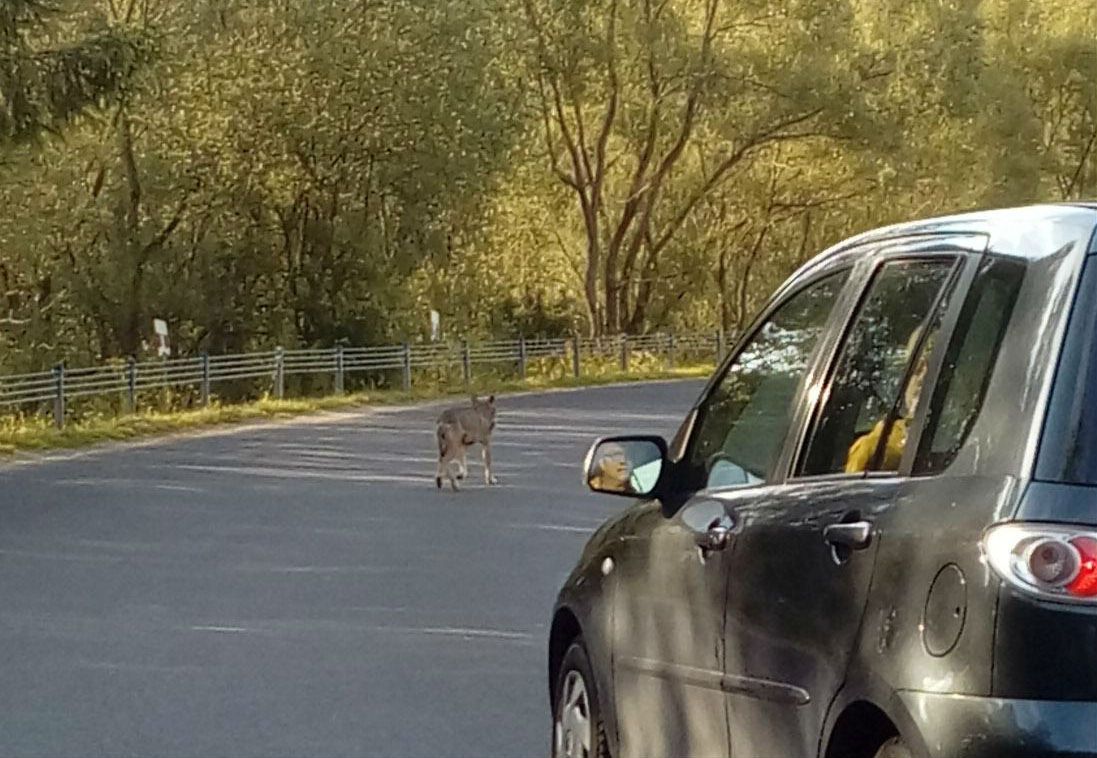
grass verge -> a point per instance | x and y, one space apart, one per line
38 434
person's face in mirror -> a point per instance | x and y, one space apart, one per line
613 469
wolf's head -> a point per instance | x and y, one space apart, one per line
485 408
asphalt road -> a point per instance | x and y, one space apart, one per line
299 589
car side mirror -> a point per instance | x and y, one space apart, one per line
629 466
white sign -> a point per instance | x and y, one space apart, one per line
161 328
435 326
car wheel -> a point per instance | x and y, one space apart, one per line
577 729
894 748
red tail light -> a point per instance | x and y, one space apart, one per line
1085 583
1052 562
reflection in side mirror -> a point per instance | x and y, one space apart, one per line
724 473
625 465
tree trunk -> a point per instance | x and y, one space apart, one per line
130 336
594 255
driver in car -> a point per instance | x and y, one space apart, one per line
612 470
864 447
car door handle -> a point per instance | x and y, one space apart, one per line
717 536
856 535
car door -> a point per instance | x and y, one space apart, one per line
671 576
803 558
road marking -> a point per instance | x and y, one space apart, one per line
346 475
556 527
457 631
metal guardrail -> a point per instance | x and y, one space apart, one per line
127 379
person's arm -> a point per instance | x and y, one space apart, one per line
860 452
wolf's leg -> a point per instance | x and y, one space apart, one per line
452 460
489 478
446 453
441 435
463 471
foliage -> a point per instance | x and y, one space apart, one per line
263 172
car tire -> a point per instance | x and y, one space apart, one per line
894 748
578 730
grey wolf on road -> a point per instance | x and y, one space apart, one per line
459 429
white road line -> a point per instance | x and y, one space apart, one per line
230 629
456 631
555 527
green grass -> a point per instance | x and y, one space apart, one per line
29 434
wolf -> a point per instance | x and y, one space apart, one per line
457 430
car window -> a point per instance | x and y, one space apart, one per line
744 420
1068 445
878 376
969 361
645 475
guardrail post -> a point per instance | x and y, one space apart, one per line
59 395
205 379
279 373
522 358
407 367
624 353
466 361
719 346
338 369
670 350
576 346
131 384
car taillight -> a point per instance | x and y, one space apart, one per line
1085 583
1050 562
1053 562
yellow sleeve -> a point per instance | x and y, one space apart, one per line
860 452
897 440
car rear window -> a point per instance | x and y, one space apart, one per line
969 362
1068 450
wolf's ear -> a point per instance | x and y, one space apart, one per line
491 399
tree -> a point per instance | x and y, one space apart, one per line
648 108
49 74
298 173
55 64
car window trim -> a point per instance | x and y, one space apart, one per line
970 269
855 259
965 263
753 328
950 288
813 385
748 335
979 267
860 261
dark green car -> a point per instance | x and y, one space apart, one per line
875 534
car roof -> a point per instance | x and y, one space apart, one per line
1029 232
